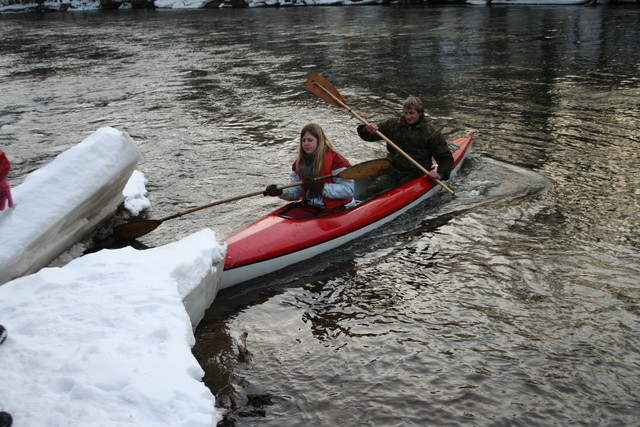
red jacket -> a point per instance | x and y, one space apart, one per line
4 165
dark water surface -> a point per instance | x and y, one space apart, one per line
516 304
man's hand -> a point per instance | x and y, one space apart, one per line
433 174
372 128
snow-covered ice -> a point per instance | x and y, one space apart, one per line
58 204
106 340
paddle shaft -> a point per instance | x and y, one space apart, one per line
231 199
135 229
357 116
365 170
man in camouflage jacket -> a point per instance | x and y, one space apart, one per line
417 137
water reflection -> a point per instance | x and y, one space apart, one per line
515 304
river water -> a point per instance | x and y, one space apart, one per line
515 304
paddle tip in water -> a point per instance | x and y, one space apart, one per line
134 229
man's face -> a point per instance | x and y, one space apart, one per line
410 115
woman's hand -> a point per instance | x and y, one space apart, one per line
272 190
313 185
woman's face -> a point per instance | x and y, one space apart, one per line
309 143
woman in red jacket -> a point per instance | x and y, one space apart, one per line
316 157
5 190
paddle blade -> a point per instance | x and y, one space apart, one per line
320 87
364 170
134 229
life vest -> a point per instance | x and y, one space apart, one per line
326 170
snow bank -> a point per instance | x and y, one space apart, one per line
105 340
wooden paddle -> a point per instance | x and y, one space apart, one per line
320 87
134 229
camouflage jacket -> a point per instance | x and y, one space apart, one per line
421 141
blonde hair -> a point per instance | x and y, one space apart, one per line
324 145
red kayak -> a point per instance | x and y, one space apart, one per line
274 241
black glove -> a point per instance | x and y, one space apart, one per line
272 190
313 185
